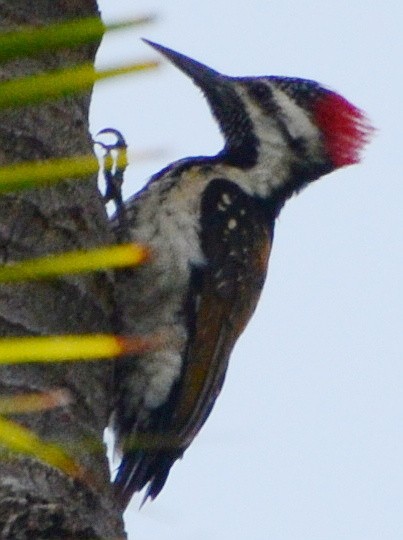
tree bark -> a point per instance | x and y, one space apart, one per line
37 500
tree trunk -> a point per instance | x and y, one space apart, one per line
36 500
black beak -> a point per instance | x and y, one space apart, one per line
202 75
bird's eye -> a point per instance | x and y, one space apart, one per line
262 95
260 91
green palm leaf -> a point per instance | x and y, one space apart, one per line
30 41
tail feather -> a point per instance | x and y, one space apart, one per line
140 468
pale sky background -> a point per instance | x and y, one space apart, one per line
306 440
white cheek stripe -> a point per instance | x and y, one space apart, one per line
298 122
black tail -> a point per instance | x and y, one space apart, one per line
142 467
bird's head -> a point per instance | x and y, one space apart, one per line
295 128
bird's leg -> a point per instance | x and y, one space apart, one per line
114 166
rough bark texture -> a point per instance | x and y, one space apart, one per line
36 500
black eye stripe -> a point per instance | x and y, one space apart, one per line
262 94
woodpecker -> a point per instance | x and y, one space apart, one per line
209 223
